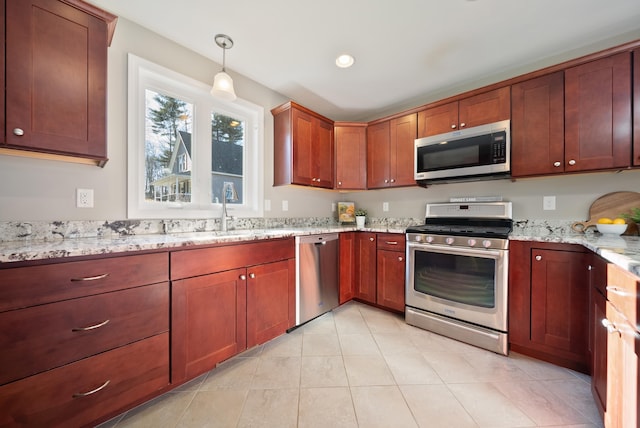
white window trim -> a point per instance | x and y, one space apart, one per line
142 75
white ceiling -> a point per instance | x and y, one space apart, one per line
405 50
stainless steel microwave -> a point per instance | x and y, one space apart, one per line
478 153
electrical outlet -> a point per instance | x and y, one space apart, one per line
285 205
549 203
333 207
267 204
84 198
385 206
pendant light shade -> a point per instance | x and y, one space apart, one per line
222 83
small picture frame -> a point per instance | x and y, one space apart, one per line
346 212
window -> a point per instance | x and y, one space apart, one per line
184 146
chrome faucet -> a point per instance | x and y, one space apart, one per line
229 194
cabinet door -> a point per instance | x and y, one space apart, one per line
270 300
365 287
208 322
390 279
438 120
559 301
599 350
56 65
323 168
378 155
303 156
347 265
488 107
537 126
351 157
598 114
636 107
401 145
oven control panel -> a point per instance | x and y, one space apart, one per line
458 241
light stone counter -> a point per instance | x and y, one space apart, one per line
624 251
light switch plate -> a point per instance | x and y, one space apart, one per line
285 205
385 206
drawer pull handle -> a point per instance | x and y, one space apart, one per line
91 327
617 290
90 278
392 242
93 391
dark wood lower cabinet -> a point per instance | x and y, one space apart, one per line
549 302
208 322
365 267
347 248
86 390
271 306
390 279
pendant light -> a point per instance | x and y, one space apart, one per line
222 83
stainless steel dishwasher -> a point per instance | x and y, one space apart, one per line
317 289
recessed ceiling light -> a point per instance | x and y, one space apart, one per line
345 61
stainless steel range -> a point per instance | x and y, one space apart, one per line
457 272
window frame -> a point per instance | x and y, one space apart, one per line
143 75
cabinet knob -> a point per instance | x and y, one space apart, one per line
538 258
557 164
252 275
572 162
400 259
453 126
611 327
393 180
386 181
339 183
371 239
462 125
18 131
243 277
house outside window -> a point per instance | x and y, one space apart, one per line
184 145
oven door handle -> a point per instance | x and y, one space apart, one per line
462 251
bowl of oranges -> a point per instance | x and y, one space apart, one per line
608 226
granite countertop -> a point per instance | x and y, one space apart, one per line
623 251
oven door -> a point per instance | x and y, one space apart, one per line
468 284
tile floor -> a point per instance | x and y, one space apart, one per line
363 367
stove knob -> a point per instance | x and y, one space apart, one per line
471 242
486 243
418 238
449 241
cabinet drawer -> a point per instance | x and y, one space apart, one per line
623 293
77 394
35 285
202 261
391 241
48 336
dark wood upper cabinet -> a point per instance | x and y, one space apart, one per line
303 147
598 114
636 107
488 107
537 126
56 78
351 155
390 147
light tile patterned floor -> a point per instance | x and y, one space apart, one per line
363 367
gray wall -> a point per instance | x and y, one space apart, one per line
40 190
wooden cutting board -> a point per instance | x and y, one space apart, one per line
611 205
